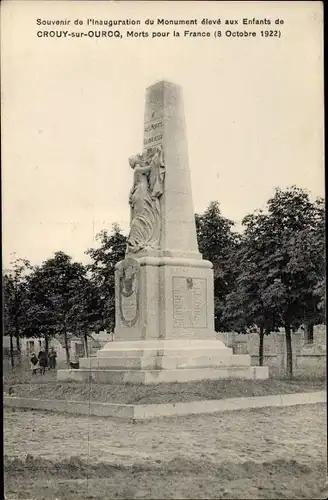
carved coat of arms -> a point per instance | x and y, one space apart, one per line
128 275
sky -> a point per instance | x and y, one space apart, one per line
72 114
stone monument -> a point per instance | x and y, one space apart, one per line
164 289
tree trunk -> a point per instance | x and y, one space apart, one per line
18 348
12 350
46 348
66 347
261 346
46 344
289 351
86 345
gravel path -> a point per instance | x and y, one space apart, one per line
260 435
266 453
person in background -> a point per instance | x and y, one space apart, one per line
52 359
42 362
34 363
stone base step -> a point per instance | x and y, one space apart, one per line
148 377
139 353
149 362
173 347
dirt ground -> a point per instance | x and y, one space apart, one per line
46 387
268 453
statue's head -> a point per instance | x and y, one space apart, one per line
135 160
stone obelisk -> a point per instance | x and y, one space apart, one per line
163 288
165 126
174 285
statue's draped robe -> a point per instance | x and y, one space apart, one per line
145 227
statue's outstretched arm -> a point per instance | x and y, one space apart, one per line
142 170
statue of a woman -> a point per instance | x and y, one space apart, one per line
148 178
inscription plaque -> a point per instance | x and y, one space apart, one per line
129 291
189 302
153 132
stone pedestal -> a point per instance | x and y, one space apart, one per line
173 299
164 292
163 361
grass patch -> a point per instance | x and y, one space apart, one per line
162 393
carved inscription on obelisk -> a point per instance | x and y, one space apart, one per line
153 133
189 302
